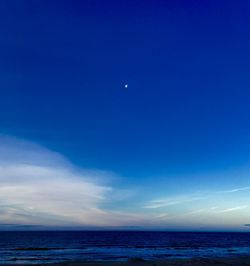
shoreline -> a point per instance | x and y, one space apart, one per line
225 261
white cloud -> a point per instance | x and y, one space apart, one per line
233 209
38 186
41 187
235 190
162 216
160 203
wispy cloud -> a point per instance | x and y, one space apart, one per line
234 190
38 186
162 216
160 203
233 209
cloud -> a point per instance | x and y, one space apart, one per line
233 209
162 216
235 190
41 188
38 186
160 203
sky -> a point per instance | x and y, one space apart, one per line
125 114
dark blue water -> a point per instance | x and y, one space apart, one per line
47 247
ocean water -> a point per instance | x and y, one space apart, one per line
56 246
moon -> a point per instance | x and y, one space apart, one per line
126 86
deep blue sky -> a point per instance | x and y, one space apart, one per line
185 113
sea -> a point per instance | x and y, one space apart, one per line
57 246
